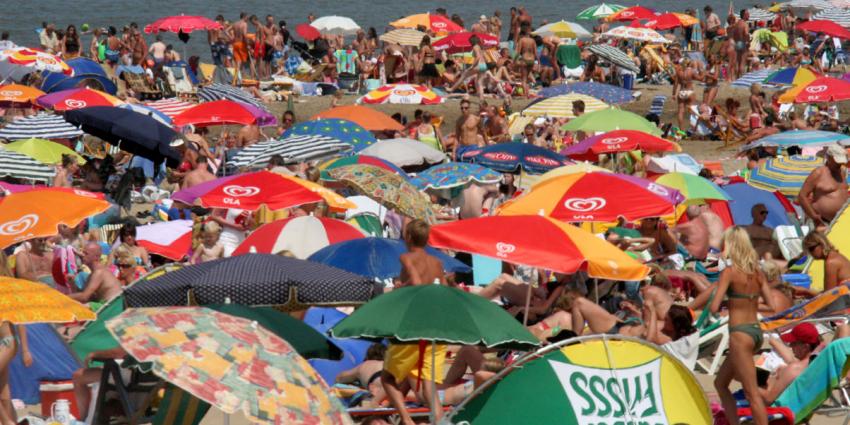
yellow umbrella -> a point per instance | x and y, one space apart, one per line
562 106
43 150
24 301
686 20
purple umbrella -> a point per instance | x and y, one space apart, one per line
668 193
188 196
264 118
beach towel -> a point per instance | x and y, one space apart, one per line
816 383
569 55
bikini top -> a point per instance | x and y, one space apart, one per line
740 295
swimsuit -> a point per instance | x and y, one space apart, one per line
740 46
240 51
685 94
7 341
752 329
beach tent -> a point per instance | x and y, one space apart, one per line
745 196
86 73
353 350
52 360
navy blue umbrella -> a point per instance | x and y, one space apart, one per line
510 157
254 280
131 131
376 257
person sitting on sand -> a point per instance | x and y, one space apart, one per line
210 247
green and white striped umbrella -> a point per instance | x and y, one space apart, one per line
599 11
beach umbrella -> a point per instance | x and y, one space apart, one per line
802 4
129 131
595 197
218 91
182 23
43 150
758 14
670 163
511 157
38 213
436 23
17 62
367 118
335 25
406 94
801 138
307 31
604 92
821 89
66 100
753 77
302 236
614 55
387 188
839 16
18 95
295 148
611 119
404 152
784 174
344 130
149 111
646 35
618 141
825 27
253 280
377 257
666 21
24 301
745 196
331 164
454 174
20 166
695 189
566 373
169 239
41 126
631 13
459 42
792 76
578 167
223 112
403 37
561 106
229 362
599 11
563 29
171 107
538 241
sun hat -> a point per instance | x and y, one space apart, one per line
838 153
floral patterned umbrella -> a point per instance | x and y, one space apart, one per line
24 301
453 174
636 34
229 362
387 188
408 94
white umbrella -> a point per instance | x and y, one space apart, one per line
757 14
563 29
637 34
336 25
839 16
404 152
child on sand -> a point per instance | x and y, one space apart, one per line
210 248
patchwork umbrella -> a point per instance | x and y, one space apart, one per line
66 100
19 95
784 174
326 166
43 151
293 149
618 141
386 188
695 189
302 236
404 152
403 37
459 42
336 25
538 241
367 118
24 301
224 112
611 119
595 197
218 91
562 106
807 138
825 27
454 174
614 55
17 62
229 362
170 239
838 15
631 13
599 11
636 34
792 76
822 89
563 29
41 126
377 257
344 130
407 94
436 23
20 166
170 107
307 31
604 92
513 156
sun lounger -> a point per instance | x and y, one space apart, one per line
139 84
134 394
821 388
179 81
391 414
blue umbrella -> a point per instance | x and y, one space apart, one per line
345 130
745 196
810 138
453 174
510 157
376 257
604 92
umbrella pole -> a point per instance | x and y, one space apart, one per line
527 305
435 399
226 419
596 289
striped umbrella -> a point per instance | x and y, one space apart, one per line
403 37
750 78
329 165
562 106
302 236
792 76
604 92
803 4
563 29
614 55
217 91
292 149
170 107
20 166
41 126
758 14
839 16
149 111
785 174
840 4
599 11
808 138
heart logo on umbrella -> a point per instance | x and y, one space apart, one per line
503 249
75 104
11 93
241 191
585 204
21 225
614 140
658 189
816 89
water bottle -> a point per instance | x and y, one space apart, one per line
61 412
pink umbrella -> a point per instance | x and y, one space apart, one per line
182 23
459 42
170 239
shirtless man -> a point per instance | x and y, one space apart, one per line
198 175
497 127
802 341
218 40
269 31
693 235
740 34
36 263
825 190
496 24
477 199
760 235
683 89
102 285
139 48
482 26
157 50
527 51
417 266
467 130
248 135
237 34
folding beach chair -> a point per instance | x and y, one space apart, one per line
178 407
134 394
657 106
822 388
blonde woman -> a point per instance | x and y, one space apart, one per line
741 282
836 267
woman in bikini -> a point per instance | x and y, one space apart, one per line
742 282
127 237
427 63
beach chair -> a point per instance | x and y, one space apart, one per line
180 83
134 393
733 133
713 342
657 105
179 407
139 84
391 414
822 388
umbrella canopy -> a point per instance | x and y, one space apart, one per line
562 106
307 31
387 188
436 23
403 37
435 313
614 55
41 126
784 174
666 21
802 4
67 100
24 301
599 11
459 42
618 141
636 34
792 76
407 94
753 77
404 152
758 14
808 138
20 166
563 29
595 197
302 236
631 13
611 119
222 112
149 111
253 280
295 148
18 62
825 27
182 23
454 174
605 92
578 167
326 166
34 213
170 107
336 25
746 196
170 239
377 257
367 118
229 362
132 132
218 91
17 94
43 150
837 15
822 89
678 162
344 130
538 241
513 156
695 189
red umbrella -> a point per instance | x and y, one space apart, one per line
182 23
250 191
663 22
632 13
307 31
824 89
300 235
459 42
219 112
826 27
618 141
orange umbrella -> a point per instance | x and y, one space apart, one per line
24 301
367 118
39 212
16 93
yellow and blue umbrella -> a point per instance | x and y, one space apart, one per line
808 138
785 174
563 29
791 76
453 174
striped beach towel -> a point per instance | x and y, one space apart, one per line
749 78
217 91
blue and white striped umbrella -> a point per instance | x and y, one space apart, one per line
808 138
149 111
20 166
40 126
216 91
839 16
749 78
292 149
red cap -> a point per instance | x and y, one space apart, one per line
804 332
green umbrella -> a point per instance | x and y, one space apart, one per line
43 150
599 11
696 189
611 119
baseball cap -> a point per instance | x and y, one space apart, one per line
838 153
804 332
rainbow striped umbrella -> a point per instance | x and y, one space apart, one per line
785 174
791 76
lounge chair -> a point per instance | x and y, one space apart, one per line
139 84
180 83
732 133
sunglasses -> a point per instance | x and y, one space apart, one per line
125 266
762 212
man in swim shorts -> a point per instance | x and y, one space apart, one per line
238 34
740 33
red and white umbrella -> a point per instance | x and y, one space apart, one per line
407 94
459 42
171 107
170 239
20 61
302 236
